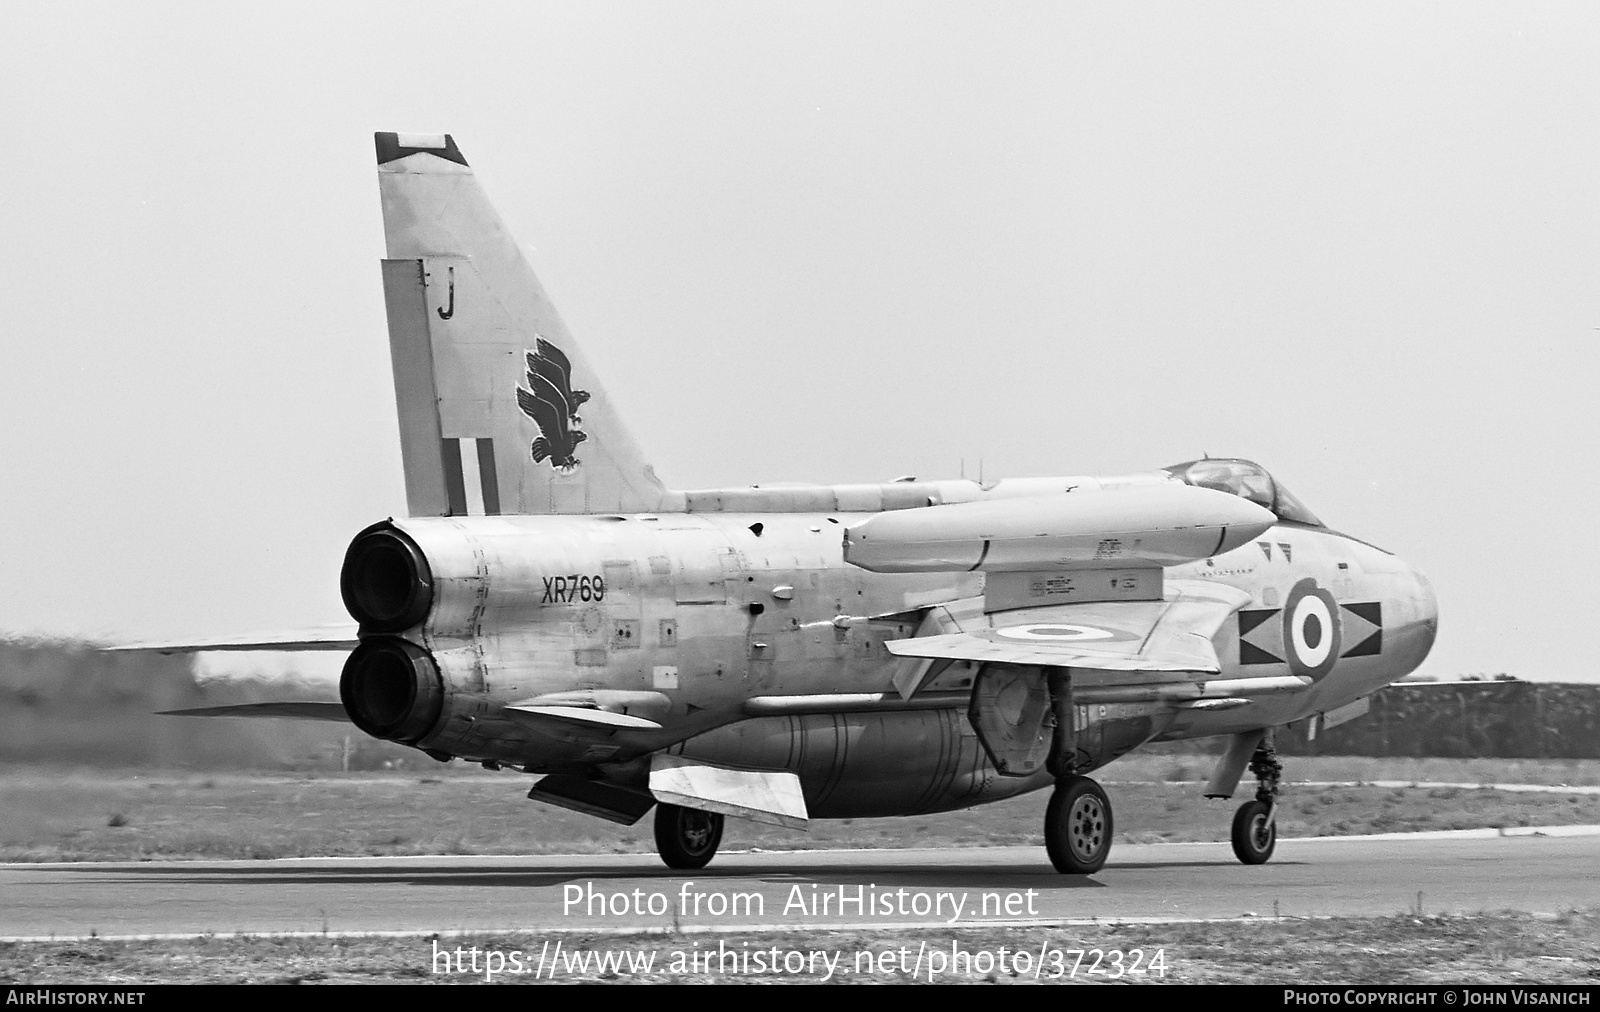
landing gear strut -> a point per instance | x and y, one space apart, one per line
1077 826
1077 822
1255 824
687 838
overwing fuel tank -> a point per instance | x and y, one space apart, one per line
1142 525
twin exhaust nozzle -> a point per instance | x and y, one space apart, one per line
390 687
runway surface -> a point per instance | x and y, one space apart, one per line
1370 876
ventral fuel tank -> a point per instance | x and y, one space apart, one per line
1163 524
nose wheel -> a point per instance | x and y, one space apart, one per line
1254 833
1077 826
687 838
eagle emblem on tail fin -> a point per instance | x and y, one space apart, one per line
553 405
551 363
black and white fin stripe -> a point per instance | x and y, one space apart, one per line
471 481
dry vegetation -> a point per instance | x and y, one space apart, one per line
83 815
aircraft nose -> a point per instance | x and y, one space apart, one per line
1427 610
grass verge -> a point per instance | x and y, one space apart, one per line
48 815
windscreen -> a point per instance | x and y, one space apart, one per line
1247 480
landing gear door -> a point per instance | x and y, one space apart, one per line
1012 714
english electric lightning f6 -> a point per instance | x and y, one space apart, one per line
818 652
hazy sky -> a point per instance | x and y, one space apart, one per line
813 242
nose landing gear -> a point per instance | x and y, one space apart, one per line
687 838
1255 825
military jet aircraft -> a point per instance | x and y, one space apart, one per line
799 652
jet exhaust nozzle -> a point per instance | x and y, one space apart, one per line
386 583
392 690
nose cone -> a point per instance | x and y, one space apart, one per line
1409 638
1427 609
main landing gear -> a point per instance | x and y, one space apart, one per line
687 838
1077 826
1255 825
1077 822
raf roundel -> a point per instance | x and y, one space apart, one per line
1311 630
1056 633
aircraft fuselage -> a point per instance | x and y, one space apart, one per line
746 639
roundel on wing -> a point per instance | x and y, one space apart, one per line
1311 632
1060 633
1055 632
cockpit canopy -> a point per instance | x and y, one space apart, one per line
1247 480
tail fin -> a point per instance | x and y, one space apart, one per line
499 410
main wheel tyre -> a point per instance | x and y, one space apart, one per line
687 838
1254 833
1077 827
